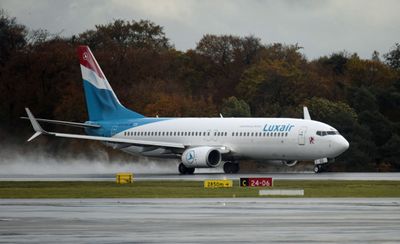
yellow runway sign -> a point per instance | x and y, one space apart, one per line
124 177
218 183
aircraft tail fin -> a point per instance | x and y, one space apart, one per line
101 101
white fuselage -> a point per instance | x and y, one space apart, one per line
253 138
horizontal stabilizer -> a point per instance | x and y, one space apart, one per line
66 123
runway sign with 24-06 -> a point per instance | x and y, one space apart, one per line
256 182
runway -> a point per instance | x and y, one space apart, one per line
288 220
203 176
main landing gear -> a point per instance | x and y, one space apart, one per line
231 168
183 170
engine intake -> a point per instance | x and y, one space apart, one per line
201 157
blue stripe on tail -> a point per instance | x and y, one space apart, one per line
102 105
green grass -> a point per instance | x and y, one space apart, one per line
190 189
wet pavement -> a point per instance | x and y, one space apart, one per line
282 220
203 175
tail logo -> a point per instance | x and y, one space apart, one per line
85 56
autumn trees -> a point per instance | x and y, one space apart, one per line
232 75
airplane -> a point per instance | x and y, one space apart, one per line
197 142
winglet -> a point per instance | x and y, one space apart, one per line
306 113
36 126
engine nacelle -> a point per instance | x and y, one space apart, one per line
201 157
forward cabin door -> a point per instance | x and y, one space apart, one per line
302 135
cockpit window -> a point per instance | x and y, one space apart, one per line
324 133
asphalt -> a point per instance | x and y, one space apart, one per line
202 176
285 220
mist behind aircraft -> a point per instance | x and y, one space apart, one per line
38 162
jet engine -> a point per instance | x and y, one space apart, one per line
201 157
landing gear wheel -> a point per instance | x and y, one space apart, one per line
231 168
183 170
318 168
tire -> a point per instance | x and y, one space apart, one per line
231 168
317 169
190 171
183 170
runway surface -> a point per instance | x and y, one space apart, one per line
287 220
203 176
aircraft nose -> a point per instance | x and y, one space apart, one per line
341 145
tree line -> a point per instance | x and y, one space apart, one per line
233 75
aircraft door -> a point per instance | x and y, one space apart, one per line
302 136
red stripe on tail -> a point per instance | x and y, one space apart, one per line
87 59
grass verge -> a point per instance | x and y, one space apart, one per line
191 189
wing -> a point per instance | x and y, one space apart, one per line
39 131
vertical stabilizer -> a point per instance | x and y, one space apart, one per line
101 101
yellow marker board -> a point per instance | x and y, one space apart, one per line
123 178
218 183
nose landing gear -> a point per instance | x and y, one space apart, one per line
318 168
320 165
